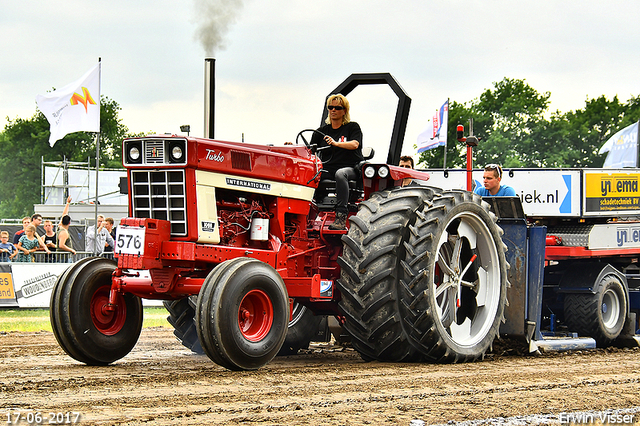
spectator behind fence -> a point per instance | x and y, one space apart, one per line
7 250
26 221
28 244
108 224
49 240
64 256
63 241
36 220
96 240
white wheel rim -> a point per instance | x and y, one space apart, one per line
610 309
473 229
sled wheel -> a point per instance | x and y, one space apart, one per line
454 279
182 318
242 314
83 324
601 315
302 328
371 263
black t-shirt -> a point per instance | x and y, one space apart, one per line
50 239
334 158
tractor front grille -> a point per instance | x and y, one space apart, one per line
160 194
154 152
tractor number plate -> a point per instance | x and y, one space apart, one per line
129 240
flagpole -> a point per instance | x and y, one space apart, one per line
446 134
638 144
95 222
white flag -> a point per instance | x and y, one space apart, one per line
74 107
436 132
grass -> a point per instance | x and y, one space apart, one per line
38 319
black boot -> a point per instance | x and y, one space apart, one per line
340 224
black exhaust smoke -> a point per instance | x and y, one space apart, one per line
209 96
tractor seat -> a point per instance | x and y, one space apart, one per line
325 195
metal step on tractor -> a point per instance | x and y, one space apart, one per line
235 238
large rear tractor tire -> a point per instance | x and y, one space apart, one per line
181 316
371 266
242 314
83 323
302 328
601 315
454 278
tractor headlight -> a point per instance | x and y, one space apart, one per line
134 153
369 172
383 172
176 150
176 153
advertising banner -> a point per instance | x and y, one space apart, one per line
618 235
543 192
7 295
615 190
33 282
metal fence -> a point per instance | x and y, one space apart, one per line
61 257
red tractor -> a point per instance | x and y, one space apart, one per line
235 238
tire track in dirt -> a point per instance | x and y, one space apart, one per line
161 383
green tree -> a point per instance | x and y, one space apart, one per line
24 142
510 121
503 118
592 126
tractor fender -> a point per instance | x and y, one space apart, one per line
582 277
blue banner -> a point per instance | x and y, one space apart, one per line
622 148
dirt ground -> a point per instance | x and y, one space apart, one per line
162 383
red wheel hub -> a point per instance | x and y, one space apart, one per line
255 315
108 320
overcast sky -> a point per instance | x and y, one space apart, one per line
276 60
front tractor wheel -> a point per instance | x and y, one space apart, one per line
242 314
84 324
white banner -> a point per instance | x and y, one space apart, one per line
33 282
552 192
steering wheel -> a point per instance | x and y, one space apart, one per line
314 148
305 141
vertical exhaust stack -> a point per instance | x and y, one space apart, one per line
209 97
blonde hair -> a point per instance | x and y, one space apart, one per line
31 227
4 233
344 102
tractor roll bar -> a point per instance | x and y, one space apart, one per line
402 112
